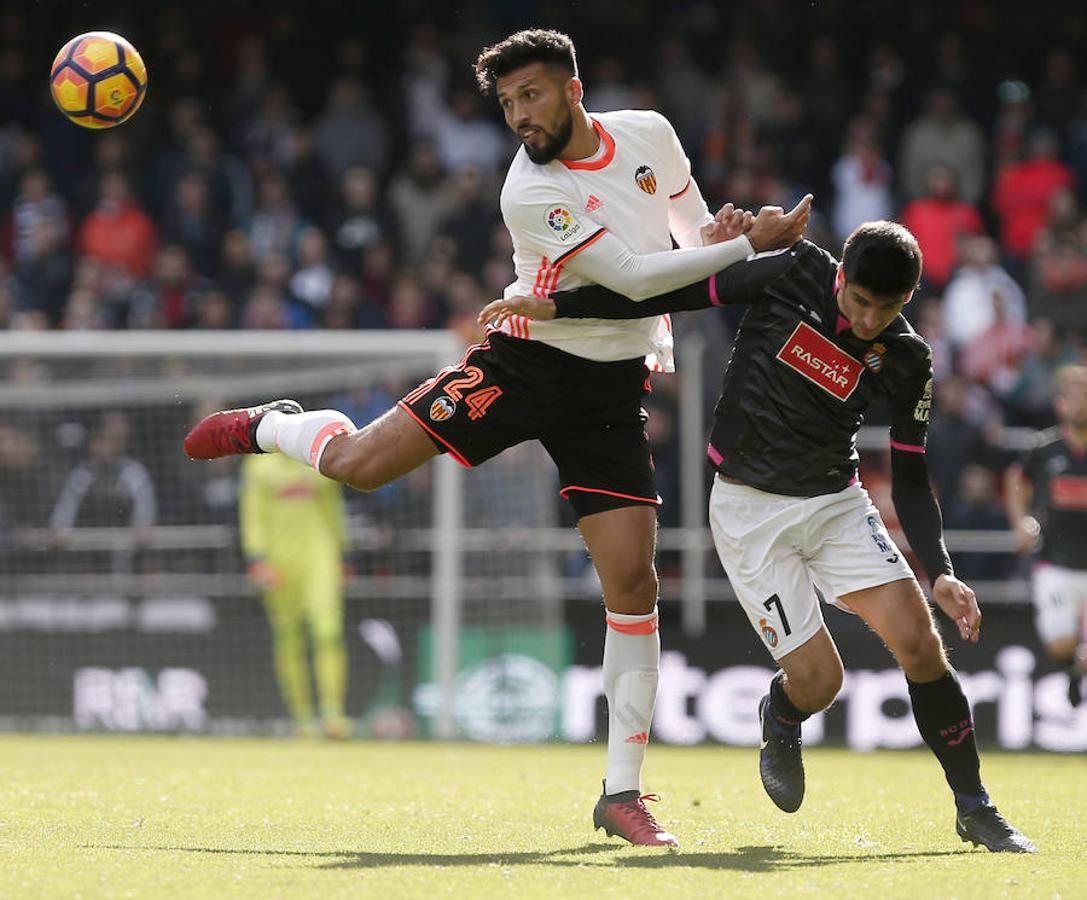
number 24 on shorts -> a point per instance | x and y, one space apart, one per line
477 401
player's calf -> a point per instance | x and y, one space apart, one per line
385 450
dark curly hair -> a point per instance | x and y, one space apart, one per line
522 48
883 257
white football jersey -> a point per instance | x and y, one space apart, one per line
556 211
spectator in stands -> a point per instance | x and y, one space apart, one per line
269 133
311 284
409 305
421 197
955 437
930 325
378 272
357 222
977 507
118 232
938 220
236 273
108 489
191 221
111 152
993 358
84 312
862 181
214 311
230 184
425 80
1060 88
40 280
942 135
471 221
351 132
1058 287
266 309
1022 193
275 224
307 175
1029 402
829 99
168 298
968 300
37 211
22 481
466 140
343 306
1076 142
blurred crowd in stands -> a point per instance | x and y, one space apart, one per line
293 170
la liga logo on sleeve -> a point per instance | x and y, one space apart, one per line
562 222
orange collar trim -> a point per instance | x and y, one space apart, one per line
609 152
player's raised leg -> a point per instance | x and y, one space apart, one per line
898 613
621 543
389 447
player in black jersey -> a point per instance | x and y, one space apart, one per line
819 340
1046 496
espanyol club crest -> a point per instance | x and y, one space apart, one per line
442 408
768 633
874 358
645 179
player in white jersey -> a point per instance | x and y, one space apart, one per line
587 200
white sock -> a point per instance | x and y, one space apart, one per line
302 436
632 651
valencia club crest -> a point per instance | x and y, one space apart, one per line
646 179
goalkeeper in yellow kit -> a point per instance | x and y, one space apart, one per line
293 536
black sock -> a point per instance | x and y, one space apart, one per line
943 717
782 708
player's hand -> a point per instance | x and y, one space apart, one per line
774 229
957 599
262 574
497 311
730 222
1028 533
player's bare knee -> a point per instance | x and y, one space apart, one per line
634 594
921 652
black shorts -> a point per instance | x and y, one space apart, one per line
588 416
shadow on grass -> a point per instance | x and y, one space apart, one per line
742 859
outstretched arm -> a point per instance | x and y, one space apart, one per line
733 284
610 264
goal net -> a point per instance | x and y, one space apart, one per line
124 600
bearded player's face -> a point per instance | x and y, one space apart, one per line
537 101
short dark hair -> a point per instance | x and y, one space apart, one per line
883 257
522 48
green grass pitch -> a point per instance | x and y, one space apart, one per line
159 817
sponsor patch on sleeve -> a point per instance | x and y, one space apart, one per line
562 223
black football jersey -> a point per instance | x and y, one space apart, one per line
1058 474
799 381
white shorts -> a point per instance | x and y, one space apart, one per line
776 550
1060 595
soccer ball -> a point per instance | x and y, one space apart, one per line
98 79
